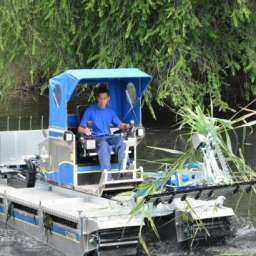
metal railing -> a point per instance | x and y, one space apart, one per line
23 123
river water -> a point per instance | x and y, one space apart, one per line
16 243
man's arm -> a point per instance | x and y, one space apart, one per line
117 122
84 130
83 127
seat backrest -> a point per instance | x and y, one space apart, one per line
80 111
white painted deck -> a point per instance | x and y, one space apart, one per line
72 205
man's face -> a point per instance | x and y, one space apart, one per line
102 100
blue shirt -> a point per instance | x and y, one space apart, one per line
101 119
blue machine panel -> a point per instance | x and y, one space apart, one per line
63 176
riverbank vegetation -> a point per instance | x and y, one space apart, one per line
195 50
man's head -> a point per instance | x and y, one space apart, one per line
102 96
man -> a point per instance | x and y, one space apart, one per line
102 117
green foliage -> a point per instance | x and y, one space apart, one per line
194 49
195 121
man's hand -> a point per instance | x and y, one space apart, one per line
125 127
85 130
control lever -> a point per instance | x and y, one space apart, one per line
131 131
127 133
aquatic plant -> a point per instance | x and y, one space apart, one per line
195 121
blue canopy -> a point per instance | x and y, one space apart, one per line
61 88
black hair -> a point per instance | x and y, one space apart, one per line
102 88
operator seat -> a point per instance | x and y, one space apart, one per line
80 109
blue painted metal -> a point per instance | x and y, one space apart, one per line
26 218
64 175
174 180
185 179
34 220
95 168
64 232
55 134
61 88
2 209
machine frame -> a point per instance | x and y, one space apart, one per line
60 166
